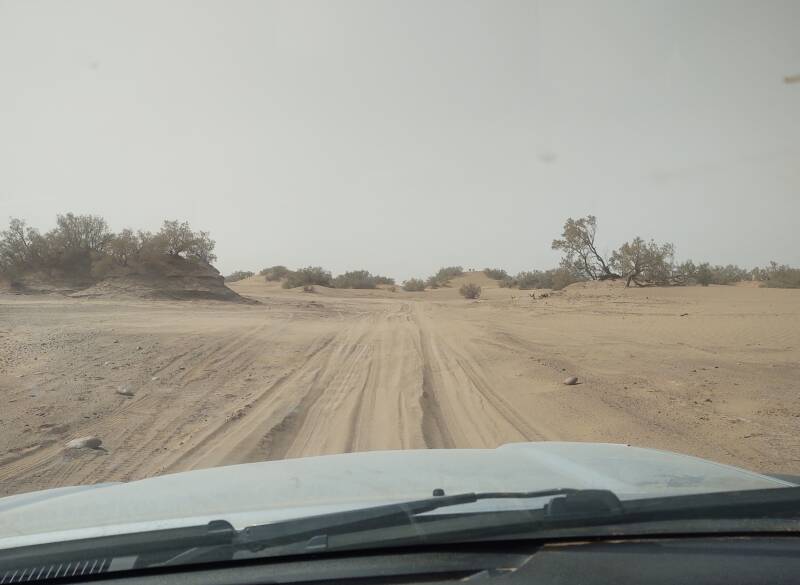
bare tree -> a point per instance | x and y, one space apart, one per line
580 252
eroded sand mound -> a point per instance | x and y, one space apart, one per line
177 279
172 278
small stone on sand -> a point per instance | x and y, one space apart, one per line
85 443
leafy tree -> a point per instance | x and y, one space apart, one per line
577 242
640 261
124 247
18 246
383 280
82 232
179 240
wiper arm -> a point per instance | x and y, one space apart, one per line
215 533
303 529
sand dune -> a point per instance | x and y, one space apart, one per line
708 371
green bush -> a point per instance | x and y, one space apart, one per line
355 279
414 285
383 280
496 273
470 290
238 275
275 273
308 276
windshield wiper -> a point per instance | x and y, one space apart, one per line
312 533
567 508
409 522
302 529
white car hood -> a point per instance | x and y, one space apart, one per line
256 493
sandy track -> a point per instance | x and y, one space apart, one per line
313 374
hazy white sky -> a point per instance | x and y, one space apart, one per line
402 136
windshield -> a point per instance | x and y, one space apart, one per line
266 262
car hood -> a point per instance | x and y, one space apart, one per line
256 493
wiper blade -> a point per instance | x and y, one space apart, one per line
304 529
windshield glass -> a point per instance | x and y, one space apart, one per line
265 262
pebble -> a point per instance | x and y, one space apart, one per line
571 381
85 443
125 391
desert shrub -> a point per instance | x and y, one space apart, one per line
309 275
508 283
414 285
308 288
432 282
444 275
703 274
83 247
383 279
274 273
496 273
781 276
238 275
555 279
392 288
527 280
470 290
729 274
561 277
355 279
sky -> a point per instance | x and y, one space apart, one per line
402 136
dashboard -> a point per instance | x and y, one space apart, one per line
728 560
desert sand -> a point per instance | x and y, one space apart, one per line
712 372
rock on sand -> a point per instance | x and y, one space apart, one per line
85 443
571 381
